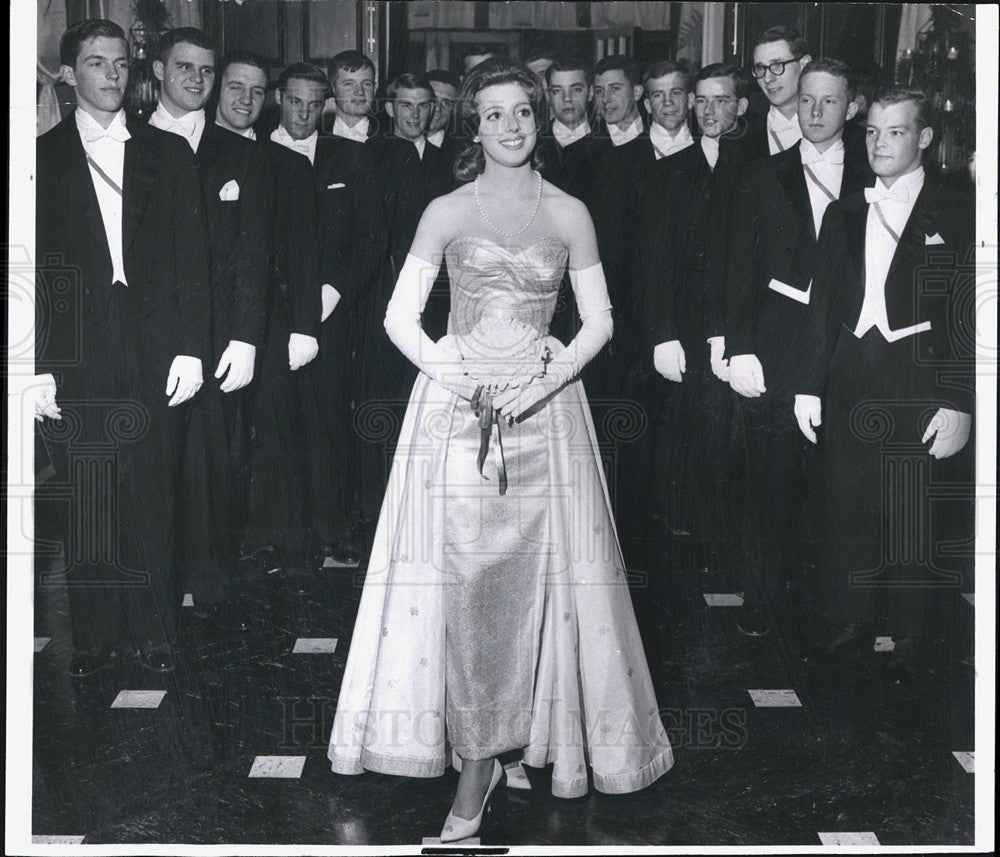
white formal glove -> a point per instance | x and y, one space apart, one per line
237 359
668 360
184 379
950 430
44 393
746 375
331 297
301 349
720 367
809 413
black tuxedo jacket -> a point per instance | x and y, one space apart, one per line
164 242
567 166
684 233
408 183
294 252
771 260
931 279
353 232
238 235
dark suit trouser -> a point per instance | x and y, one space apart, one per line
214 497
893 523
279 462
117 454
325 397
775 499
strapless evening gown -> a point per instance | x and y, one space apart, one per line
494 621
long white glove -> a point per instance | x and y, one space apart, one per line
402 324
301 349
237 359
331 297
668 360
184 379
44 393
746 375
720 367
591 292
808 413
950 430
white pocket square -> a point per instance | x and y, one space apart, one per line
335 185
790 291
230 191
933 239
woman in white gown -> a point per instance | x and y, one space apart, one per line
495 614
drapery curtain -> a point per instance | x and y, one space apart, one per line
914 17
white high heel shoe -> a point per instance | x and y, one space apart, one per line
456 828
517 777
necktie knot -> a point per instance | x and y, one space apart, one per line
877 194
184 127
830 156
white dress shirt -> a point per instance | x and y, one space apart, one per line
787 130
190 126
828 169
665 143
421 144
620 137
107 149
710 146
359 133
436 139
880 247
305 147
565 135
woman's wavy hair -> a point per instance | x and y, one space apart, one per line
470 160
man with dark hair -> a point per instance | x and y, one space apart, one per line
302 91
668 99
686 225
776 220
217 461
891 375
779 55
279 455
120 207
571 144
440 127
352 76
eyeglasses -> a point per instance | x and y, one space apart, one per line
777 68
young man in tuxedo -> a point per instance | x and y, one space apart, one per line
777 219
118 356
217 459
890 375
571 144
686 223
280 464
441 126
668 95
612 189
779 55
302 90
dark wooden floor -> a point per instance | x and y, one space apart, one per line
856 756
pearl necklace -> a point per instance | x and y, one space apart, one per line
496 228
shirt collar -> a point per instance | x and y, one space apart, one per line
666 143
90 127
437 138
249 133
565 135
710 146
305 147
810 154
620 138
359 132
911 182
777 122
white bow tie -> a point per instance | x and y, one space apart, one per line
880 193
116 132
833 155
